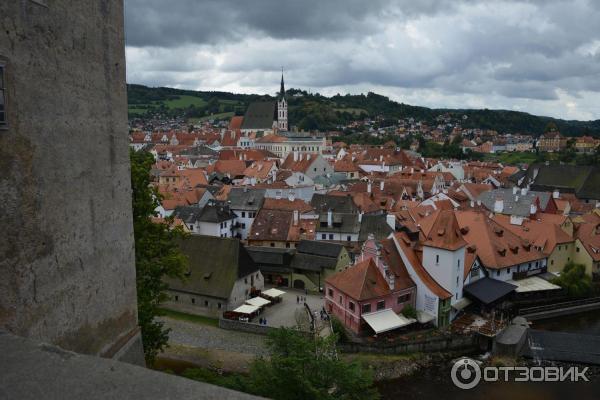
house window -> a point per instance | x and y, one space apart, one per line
577 249
176 298
498 273
287 245
205 303
348 238
243 225
366 308
330 292
404 298
272 244
381 305
351 306
341 300
331 236
437 258
323 236
193 300
243 214
219 306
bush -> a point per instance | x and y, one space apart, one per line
409 312
574 280
339 330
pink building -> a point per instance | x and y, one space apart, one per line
376 285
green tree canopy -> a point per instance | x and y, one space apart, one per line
156 255
304 368
574 280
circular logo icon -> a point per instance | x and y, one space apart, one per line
465 373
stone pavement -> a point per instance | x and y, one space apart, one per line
210 337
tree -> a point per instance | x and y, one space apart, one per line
156 255
574 280
301 368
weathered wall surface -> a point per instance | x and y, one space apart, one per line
67 272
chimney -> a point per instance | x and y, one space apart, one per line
533 209
369 187
556 194
391 221
296 217
329 218
498 205
381 185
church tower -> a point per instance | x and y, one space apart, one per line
282 108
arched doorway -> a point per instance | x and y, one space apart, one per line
298 284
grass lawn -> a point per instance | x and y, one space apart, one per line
214 116
184 102
197 319
513 157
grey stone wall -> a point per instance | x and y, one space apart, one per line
435 344
41 371
249 327
67 272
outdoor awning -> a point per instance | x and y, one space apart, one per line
257 301
386 320
533 284
246 309
273 292
488 290
424 317
462 303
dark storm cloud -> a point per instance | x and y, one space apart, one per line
503 52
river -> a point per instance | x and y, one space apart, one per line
435 383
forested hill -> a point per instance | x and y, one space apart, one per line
313 111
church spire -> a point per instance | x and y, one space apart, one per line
282 90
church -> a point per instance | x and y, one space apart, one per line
267 117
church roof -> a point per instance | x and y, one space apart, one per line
259 115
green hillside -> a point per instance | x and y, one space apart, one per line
313 111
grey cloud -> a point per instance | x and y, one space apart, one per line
494 50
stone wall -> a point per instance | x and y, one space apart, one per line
434 344
67 273
249 327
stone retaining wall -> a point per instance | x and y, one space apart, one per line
249 327
435 344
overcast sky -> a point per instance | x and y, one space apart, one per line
542 57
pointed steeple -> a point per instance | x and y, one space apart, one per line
282 90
